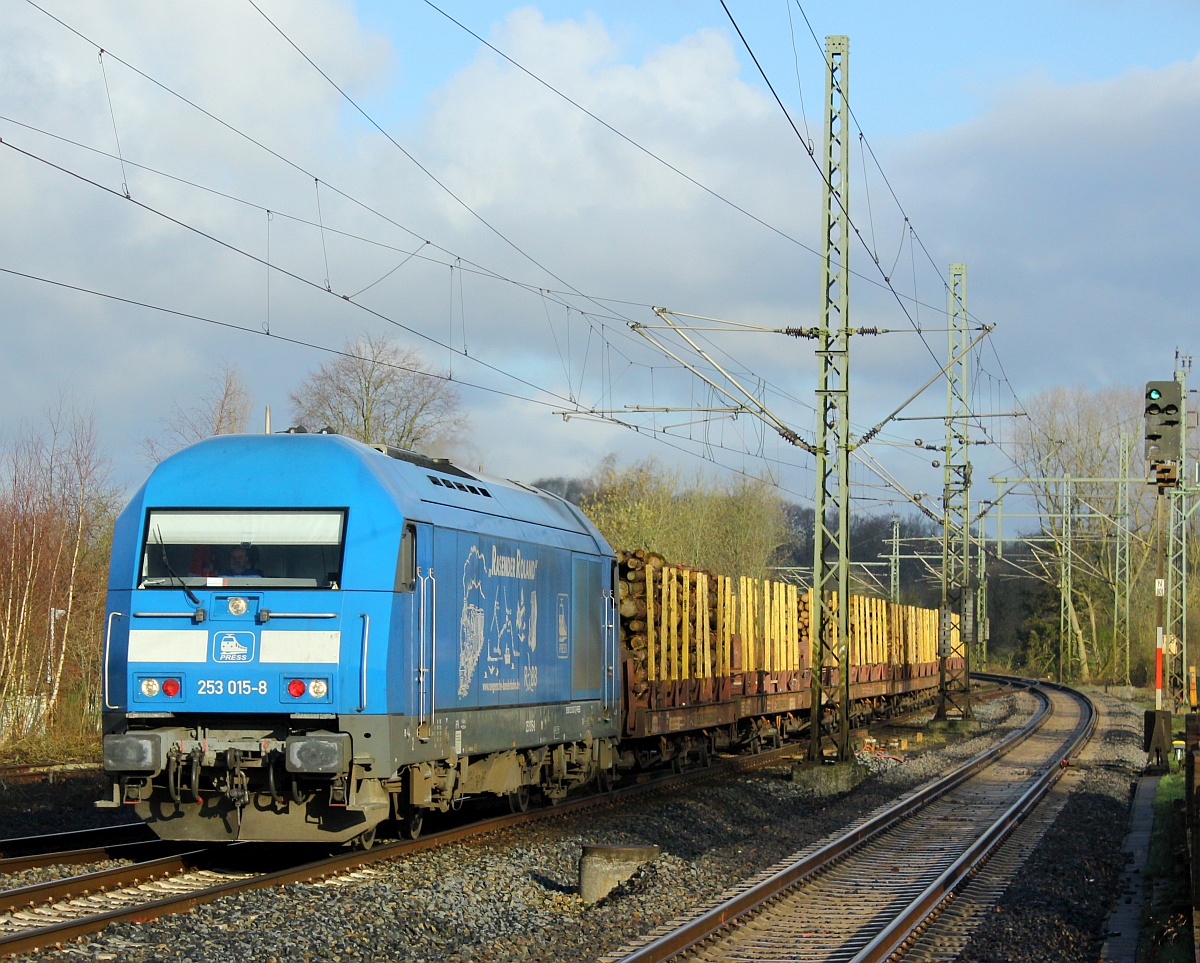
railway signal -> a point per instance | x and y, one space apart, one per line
1164 421
1166 475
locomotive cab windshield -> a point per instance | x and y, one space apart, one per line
255 548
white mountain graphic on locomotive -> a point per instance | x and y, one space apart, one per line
471 622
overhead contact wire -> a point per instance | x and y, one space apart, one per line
296 277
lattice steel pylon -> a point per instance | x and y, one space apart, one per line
1066 580
1175 643
982 628
894 563
1179 508
958 596
1122 568
830 712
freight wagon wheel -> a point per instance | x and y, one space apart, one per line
604 780
703 756
518 799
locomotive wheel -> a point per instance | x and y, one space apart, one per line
414 819
365 840
518 799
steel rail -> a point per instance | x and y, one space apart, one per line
140 850
77 838
49 772
905 925
27 940
35 894
184 862
43 893
705 925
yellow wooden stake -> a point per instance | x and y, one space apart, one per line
722 620
729 622
685 647
671 612
651 671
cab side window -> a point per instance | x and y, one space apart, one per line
406 566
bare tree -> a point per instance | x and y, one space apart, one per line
222 409
1070 450
380 393
56 513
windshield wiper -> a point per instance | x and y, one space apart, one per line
170 571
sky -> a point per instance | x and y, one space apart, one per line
196 184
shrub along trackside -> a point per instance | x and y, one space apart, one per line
56 516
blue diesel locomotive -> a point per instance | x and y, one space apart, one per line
307 635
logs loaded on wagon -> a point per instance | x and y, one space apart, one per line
694 639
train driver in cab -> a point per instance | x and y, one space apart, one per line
240 565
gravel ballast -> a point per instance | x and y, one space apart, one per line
512 895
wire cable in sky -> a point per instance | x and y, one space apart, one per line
228 325
275 267
328 287
408 154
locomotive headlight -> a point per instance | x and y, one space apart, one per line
149 688
317 688
237 606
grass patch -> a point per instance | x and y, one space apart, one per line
54 747
72 734
1167 916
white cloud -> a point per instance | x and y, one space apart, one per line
1072 205
1076 209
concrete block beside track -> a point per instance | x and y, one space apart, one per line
604 867
829 780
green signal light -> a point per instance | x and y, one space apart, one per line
1154 394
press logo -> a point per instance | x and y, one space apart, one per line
233 646
563 634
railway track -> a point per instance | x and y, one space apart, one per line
50 772
164 880
867 894
80 846
44 914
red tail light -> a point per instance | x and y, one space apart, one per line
296 688
170 687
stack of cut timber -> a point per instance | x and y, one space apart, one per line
631 603
804 609
668 632
697 625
